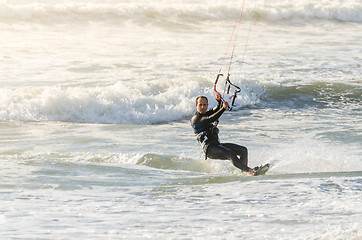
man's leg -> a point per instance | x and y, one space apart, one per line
224 153
241 151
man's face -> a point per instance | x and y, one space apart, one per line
202 105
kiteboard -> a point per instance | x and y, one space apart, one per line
262 170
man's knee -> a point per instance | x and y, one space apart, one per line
220 152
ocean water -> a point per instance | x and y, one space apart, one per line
96 98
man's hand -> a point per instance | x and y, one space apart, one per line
225 105
217 96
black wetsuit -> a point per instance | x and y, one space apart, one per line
208 135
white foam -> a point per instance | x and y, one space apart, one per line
48 12
308 156
284 11
123 102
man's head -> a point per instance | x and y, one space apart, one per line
202 104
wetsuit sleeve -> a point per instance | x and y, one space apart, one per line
217 107
207 119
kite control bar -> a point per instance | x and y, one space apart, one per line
236 91
222 99
227 81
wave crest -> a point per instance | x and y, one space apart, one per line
147 102
178 12
160 101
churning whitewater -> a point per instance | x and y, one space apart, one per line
96 98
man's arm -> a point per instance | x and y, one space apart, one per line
220 104
217 107
214 114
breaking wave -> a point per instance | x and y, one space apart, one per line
160 101
180 12
120 103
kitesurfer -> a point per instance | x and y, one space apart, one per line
204 123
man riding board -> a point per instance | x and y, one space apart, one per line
204 123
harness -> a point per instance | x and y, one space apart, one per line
203 135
